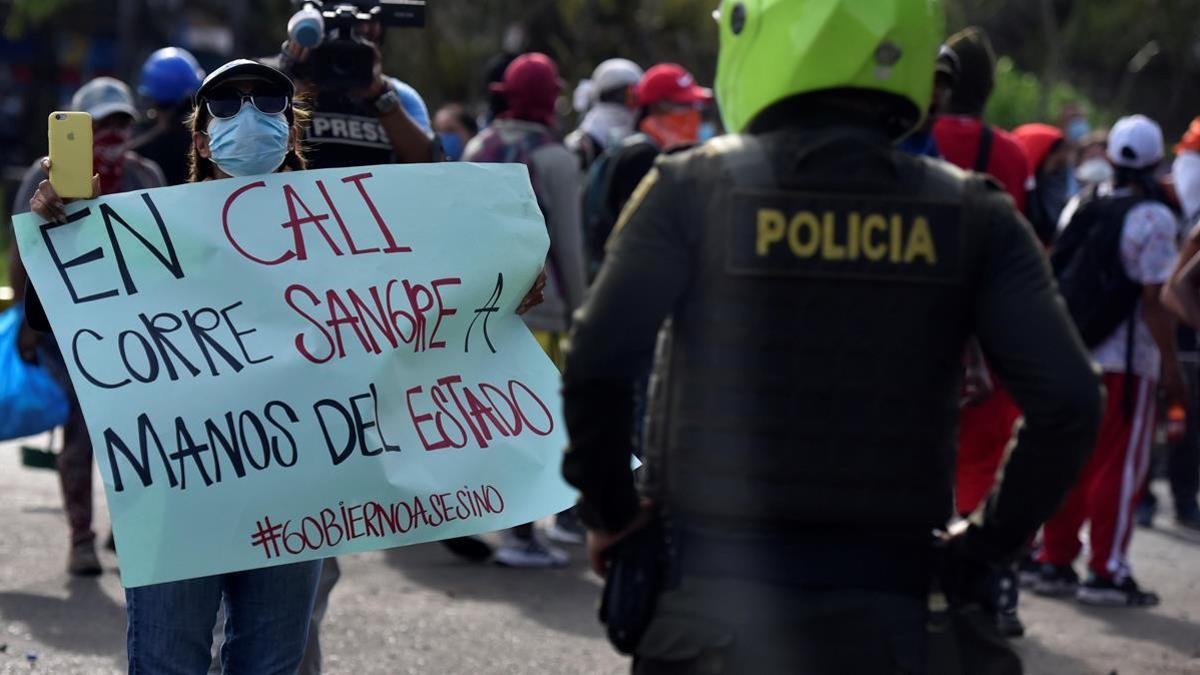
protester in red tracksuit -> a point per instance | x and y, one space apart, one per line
1112 480
963 138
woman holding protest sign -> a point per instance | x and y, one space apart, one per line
245 123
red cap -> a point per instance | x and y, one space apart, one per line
1191 138
1038 141
531 86
672 83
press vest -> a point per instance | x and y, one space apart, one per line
344 132
811 373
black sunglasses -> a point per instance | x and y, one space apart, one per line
227 104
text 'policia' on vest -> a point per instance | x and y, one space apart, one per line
810 234
874 237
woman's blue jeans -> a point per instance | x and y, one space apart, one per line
266 622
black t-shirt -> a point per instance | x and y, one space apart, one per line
168 147
629 167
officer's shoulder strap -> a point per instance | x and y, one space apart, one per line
975 192
947 180
744 159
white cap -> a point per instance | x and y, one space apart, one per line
102 97
1135 142
615 74
609 75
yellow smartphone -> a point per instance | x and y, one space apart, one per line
71 154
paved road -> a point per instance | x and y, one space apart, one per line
419 610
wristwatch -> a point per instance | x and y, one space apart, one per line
387 102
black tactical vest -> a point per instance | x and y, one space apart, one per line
810 375
345 132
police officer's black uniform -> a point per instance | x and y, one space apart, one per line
820 286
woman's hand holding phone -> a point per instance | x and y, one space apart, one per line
48 204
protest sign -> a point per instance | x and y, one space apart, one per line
288 367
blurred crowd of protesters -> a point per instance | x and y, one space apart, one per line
1070 181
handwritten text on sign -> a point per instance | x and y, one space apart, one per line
288 367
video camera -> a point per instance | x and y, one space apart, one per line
342 59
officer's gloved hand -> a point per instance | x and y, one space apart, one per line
967 579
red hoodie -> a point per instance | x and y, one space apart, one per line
957 138
1037 140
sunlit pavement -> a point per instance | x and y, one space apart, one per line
420 610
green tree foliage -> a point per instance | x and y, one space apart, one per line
445 60
1131 55
1020 96
29 13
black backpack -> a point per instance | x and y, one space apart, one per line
600 214
1087 263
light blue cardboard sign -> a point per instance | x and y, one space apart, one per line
288 367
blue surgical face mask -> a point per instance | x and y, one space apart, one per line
708 130
249 143
452 145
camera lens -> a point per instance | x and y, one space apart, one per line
60 117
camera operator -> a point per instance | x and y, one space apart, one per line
360 116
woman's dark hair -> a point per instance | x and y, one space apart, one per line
1143 179
200 169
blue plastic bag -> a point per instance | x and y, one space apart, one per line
30 400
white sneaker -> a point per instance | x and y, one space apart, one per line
562 535
531 553
567 529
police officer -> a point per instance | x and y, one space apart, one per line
819 285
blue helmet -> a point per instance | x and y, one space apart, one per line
170 75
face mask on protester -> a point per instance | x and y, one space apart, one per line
108 157
708 131
452 145
249 143
673 128
1094 170
608 123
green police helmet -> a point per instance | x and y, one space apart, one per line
774 49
